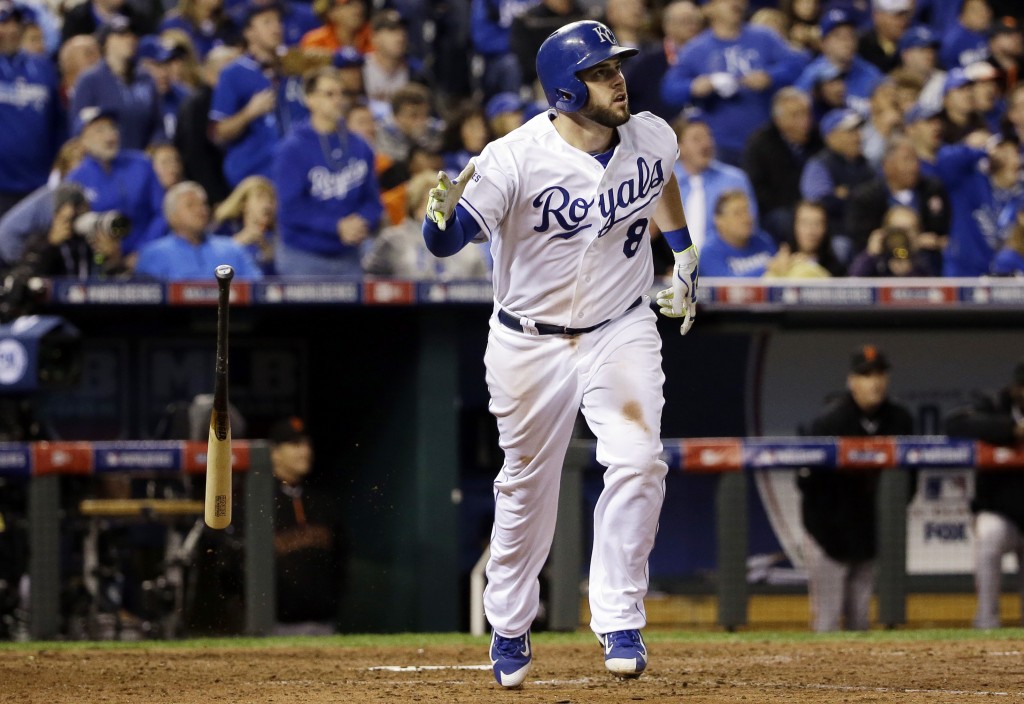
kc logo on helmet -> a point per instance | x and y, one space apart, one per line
605 34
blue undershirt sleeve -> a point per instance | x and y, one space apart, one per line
460 231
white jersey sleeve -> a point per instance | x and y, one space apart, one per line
489 196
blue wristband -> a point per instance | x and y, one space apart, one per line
679 240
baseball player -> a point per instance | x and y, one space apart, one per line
567 203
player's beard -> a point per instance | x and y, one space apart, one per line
607 116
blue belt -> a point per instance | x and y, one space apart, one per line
514 322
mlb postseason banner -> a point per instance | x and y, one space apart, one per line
89 458
715 293
696 455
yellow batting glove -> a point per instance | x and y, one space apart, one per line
445 196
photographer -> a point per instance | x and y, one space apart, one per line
78 244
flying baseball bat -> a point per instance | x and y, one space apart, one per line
218 450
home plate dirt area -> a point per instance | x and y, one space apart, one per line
836 669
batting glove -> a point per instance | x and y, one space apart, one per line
445 196
680 301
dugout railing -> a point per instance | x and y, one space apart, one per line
730 459
43 464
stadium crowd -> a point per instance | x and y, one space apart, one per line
817 137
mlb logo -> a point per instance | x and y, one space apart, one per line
937 488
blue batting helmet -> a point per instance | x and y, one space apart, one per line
569 50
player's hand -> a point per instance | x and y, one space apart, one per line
680 301
445 196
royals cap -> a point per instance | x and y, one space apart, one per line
836 17
918 37
153 48
503 102
840 119
90 114
919 112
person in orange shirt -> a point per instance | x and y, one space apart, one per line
344 24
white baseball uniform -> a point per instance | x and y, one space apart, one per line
571 247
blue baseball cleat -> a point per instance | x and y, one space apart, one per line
624 653
511 658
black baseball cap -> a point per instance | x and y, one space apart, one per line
291 429
868 359
1004 25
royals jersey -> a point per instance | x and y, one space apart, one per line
571 239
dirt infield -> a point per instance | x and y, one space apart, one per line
682 670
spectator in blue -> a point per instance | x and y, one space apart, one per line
329 203
681 21
919 55
740 248
959 117
839 57
982 177
703 179
116 86
937 15
731 72
924 129
830 175
253 104
775 157
204 21
879 45
29 113
189 252
154 55
967 40
115 178
490 22
1010 259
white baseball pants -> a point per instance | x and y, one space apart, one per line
840 592
537 386
994 536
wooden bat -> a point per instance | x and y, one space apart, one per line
218 450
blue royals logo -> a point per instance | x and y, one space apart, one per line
561 211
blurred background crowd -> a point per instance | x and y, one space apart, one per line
817 138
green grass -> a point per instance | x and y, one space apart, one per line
420 640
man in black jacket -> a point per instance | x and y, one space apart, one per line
203 160
838 508
998 504
900 183
775 157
